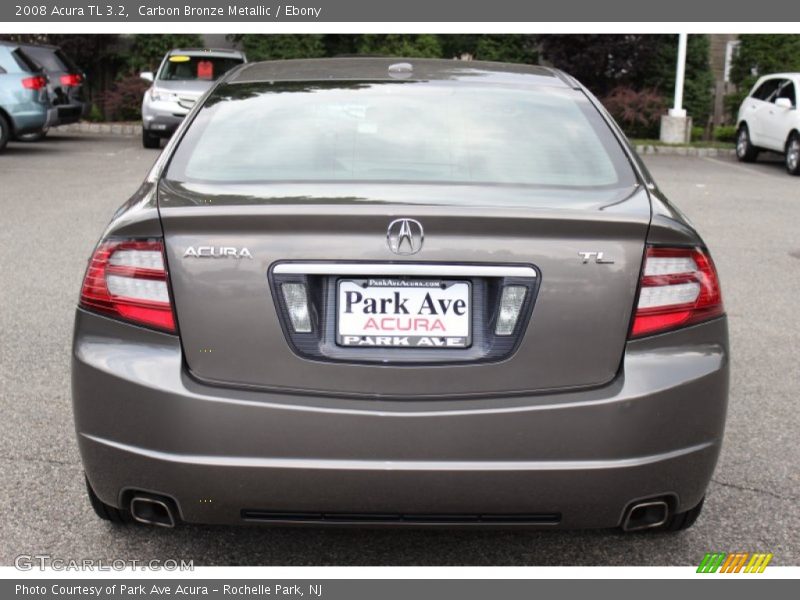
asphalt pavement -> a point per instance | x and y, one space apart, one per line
55 199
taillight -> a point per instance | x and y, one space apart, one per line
71 80
679 287
128 279
34 83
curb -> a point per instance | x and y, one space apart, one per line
683 151
124 129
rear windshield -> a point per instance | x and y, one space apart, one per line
400 131
193 68
25 62
53 60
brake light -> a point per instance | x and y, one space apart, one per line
71 80
34 83
128 279
678 287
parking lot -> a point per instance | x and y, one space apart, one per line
55 199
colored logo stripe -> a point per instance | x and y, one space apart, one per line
734 562
711 562
758 563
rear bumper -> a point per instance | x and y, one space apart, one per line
583 456
33 119
68 113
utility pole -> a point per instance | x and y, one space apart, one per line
676 126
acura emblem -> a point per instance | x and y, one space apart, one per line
405 236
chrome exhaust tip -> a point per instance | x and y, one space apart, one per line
646 515
152 511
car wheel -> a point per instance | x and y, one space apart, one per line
793 154
745 151
33 137
5 131
149 140
684 520
106 511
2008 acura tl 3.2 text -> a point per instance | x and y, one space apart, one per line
377 291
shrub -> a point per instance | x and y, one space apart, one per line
637 112
725 133
95 114
148 49
123 101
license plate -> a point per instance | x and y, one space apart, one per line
404 313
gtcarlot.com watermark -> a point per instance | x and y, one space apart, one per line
42 562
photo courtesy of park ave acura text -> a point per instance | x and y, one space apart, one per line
384 299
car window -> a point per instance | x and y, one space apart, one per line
25 62
401 131
67 61
194 68
47 58
766 89
786 90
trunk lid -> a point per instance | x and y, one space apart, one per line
230 319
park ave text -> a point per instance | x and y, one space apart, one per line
276 11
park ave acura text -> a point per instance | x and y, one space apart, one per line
400 292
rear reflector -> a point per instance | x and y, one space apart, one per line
510 305
127 279
679 287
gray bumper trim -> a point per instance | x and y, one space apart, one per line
402 465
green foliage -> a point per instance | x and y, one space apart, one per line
95 114
603 62
733 101
699 81
281 46
762 54
725 133
148 49
406 45
513 48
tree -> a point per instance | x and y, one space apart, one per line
408 45
638 62
601 62
280 46
147 50
761 54
499 47
698 83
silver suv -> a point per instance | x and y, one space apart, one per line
184 76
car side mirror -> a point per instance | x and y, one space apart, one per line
147 76
784 103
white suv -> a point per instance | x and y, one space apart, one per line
769 120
